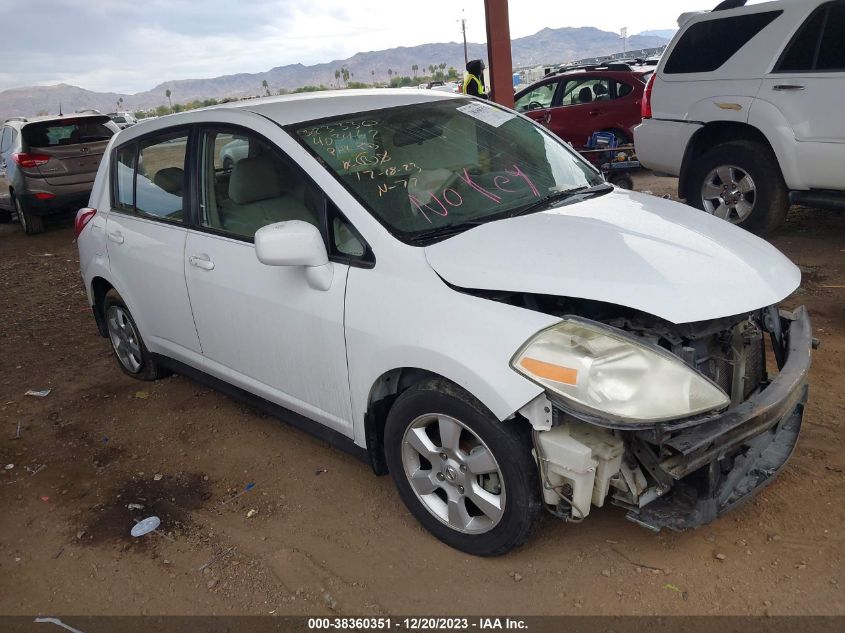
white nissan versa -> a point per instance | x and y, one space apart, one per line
444 288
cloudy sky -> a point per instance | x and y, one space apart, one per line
130 46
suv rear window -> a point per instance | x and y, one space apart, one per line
67 132
707 45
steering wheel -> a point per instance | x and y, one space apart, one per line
535 105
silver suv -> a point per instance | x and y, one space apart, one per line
48 164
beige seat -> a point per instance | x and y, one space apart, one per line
258 196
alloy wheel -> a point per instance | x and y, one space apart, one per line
729 192
453 473
21 216
124 339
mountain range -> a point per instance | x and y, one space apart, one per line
548 46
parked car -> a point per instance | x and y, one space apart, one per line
123 119
232 152
576 102
741 109
447 290
48 164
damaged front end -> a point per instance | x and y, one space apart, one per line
684 472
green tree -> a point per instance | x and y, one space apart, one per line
167 94
452 73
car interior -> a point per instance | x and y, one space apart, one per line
259 189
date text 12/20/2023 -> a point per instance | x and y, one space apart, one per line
419 624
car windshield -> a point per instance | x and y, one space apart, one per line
444 163
67 132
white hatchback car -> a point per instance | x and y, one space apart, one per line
442 287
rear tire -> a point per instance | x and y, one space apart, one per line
468 478
129 349
741 182
31 224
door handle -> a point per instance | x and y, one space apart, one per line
201 261
594 112
781 87
116 237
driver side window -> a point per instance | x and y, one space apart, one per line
539 98
247 183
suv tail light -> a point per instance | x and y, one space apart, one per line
646 105
83 217
29 160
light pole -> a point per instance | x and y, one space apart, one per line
624 35
463 22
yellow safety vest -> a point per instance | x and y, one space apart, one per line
469 78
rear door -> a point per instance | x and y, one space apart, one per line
74 147
146 234
807 85
584 108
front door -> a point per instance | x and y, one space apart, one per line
146 241
264 328
808 87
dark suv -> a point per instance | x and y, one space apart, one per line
48 164
575 102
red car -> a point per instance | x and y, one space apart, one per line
574 103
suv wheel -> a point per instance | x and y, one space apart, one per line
740 182
468 478
132 354
31 224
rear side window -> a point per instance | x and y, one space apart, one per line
67 132
817 46
707 45
149 177
5 139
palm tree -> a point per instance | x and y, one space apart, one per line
337 77
120 104
373 74
266 87
415 68
168 93
389 73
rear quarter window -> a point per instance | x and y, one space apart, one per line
706 46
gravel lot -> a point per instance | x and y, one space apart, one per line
329 536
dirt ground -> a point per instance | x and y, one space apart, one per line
329 536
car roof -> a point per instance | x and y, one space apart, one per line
307 106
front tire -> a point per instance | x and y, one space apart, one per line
468 478
740 182
132 354
31 224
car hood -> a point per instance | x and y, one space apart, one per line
625 248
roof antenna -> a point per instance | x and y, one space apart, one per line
60 109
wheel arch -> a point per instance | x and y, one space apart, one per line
99 288
383 393
711 135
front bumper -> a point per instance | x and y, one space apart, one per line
714 466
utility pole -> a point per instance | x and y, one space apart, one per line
624 35
463 22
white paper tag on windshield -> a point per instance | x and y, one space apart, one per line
486 113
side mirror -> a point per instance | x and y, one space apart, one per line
295 243
291 243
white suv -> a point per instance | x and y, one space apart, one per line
746 107
444 288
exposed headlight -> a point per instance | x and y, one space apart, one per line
605 373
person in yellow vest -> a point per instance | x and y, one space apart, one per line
474 79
